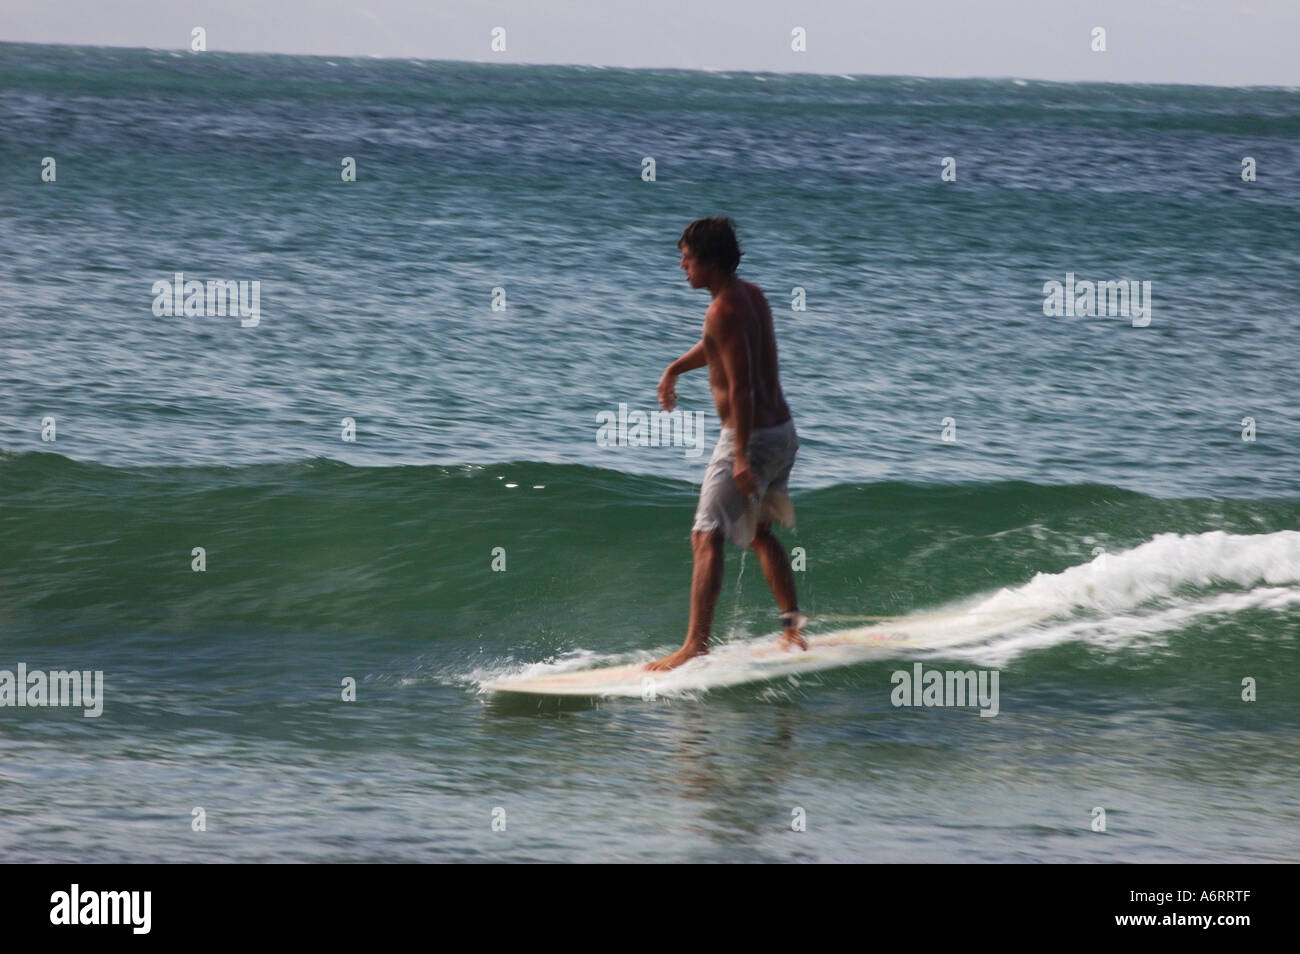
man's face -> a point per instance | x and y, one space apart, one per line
695 270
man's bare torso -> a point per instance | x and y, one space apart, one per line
753 320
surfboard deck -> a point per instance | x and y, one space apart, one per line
761 659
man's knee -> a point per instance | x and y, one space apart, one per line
761 535
705 541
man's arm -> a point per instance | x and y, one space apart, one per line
695 358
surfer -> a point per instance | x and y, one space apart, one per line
745 486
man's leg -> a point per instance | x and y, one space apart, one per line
706 583
776 567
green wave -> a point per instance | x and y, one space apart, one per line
408 552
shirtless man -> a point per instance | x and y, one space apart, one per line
745 486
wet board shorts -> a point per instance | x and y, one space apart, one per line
723 507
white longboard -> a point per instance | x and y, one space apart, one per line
756 660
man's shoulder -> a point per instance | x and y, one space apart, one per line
742 285
755 301
724 314
733 302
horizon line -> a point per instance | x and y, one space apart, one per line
185 51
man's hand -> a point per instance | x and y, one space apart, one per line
667 390
744 479
695 358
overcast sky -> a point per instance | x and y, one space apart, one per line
1222 42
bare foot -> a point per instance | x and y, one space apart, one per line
790 638
689 651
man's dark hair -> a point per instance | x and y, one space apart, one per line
713 241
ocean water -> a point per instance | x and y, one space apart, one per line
1132 479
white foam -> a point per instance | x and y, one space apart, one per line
566 662
1115 600
1158 569
1140 595
1128 630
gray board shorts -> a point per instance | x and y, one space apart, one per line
723 507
